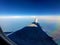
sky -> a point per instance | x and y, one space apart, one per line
29 7
16 14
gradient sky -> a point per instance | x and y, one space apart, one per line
29 7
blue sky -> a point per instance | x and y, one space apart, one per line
29 7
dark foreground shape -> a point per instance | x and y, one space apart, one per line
4 40
31 35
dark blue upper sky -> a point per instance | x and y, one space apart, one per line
29 7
